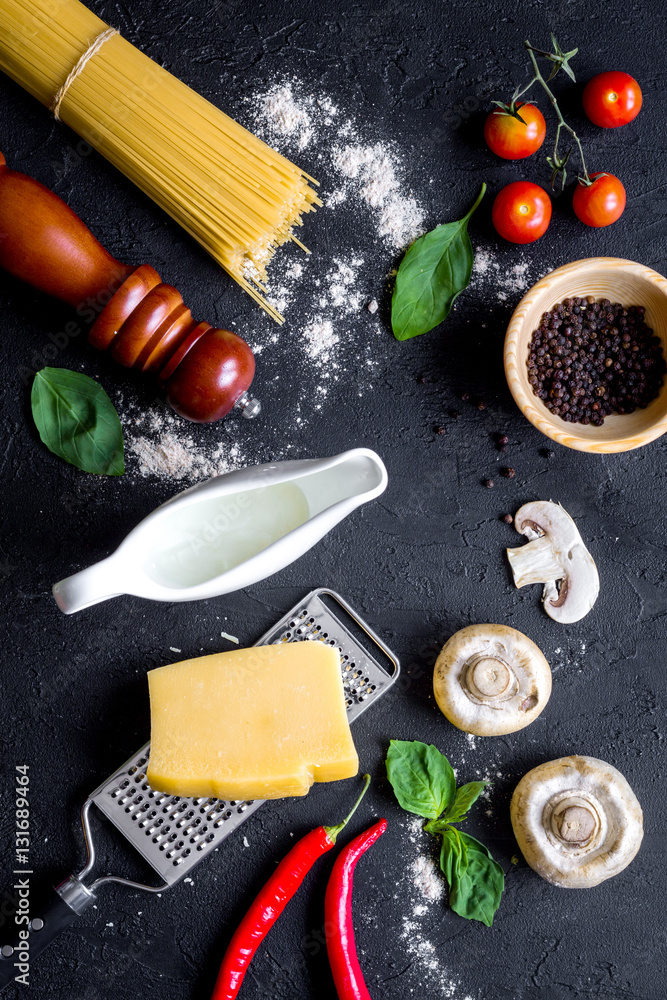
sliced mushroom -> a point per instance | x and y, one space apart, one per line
556 557
490 680
577 821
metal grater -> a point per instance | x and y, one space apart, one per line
173 834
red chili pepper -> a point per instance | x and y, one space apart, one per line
339 930
272 900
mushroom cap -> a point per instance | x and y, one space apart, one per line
491 679
577 821
565 559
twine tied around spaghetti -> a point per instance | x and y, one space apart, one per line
78 69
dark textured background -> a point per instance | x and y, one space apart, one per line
420 563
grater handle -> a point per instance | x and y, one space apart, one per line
49 912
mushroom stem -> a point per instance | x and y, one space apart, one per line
535 563
488 676
576 820
576 825
556 557
490 680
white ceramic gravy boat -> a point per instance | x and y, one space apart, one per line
230 531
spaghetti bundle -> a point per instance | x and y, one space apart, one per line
234 194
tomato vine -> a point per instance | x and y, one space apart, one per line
560 60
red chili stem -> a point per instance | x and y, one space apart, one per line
339 929
271 901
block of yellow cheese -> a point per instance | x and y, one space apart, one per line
259 723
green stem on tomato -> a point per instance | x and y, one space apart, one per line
538 78
519 92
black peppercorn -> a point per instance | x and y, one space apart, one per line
589 359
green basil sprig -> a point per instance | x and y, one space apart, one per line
422 779
424 783
77 421
435 269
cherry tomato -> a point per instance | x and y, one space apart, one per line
600 203
612 99
521 212
506 136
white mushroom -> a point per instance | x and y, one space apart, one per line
556 557
490 680
577 821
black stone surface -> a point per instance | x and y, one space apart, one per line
420 563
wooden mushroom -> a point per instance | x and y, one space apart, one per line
491 679
557 557
577 821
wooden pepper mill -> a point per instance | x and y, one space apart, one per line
143 323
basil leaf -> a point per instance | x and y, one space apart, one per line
475 892
77 421
422 777
465 796
435 269
436 826
424 783
453 855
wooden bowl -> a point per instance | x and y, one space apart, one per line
613 278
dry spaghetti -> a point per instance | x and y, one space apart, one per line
234 194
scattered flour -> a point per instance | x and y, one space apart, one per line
573 657
340 286
169 456
491 273
370 174
373 175
427 879
281 295
366 188
159 444
319 338
333 294
283 115
426 887
425 956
